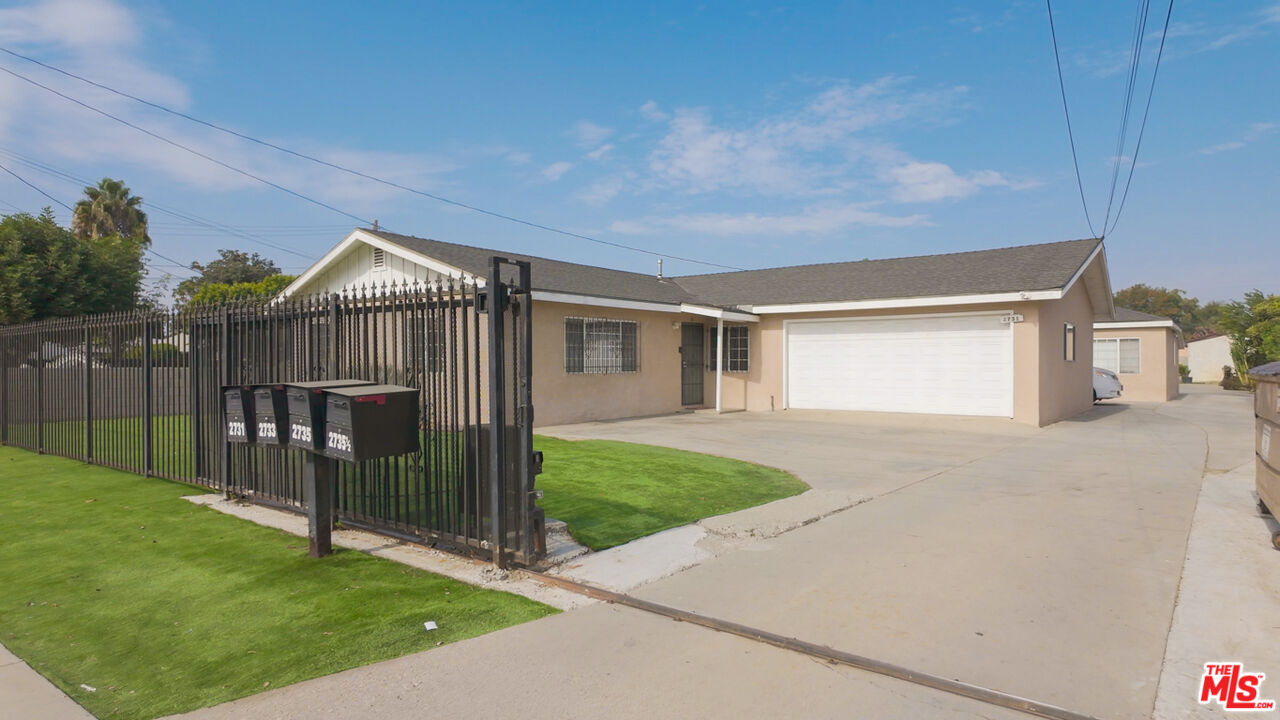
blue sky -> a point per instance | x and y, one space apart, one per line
746 134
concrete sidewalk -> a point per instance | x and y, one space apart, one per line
26 694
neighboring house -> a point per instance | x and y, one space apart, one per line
1143 350
1207 356
1005 332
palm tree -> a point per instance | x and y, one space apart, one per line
109 209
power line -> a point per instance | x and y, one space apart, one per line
33 187
68 207
1070 135
185 148
190 219
1143 127
1131 84
351 171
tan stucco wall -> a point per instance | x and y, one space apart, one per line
1066 388
761 388
1157 376
560 397
1046 389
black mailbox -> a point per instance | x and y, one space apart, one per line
270 414
372 421
306 406
237 406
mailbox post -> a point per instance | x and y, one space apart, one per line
305 408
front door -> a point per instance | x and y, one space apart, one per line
691 338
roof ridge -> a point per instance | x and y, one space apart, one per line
873 260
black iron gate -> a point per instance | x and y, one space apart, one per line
141 392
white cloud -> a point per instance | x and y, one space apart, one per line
104 40
1270 14
651 111
932 181
556 170
822 219
1254 132
590 135
601 191
601 151
1222 147
519 157
814 149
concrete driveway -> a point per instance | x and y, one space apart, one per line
1041 562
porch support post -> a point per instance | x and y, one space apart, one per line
719 360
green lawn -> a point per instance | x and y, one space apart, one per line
113 581
610 493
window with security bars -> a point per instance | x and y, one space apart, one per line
1119 355
597 345
737 356
426 344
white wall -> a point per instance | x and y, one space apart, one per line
355 269
1206 358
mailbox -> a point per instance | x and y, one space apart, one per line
237 413
371 421
270 414
306 406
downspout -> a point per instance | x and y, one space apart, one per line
719 359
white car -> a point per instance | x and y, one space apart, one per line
1105 384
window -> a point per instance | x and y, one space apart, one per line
595 345
1119 355
1069 342
426 341
737 356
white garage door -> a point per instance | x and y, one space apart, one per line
952 365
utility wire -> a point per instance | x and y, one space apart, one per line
68 207
1143 127
33 187
1070 135
351 171
189 219
1131 84
185 148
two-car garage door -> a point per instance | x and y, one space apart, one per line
951 364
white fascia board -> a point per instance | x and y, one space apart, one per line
341 249
572 299
1120 325
941 301
1080 271
719 313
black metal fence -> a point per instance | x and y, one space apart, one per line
141 392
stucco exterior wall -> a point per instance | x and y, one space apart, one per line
1206 358
561 397
761 388
1066 387
1157 376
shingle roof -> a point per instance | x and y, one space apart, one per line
1027 267
1127 315
1046 266
551 275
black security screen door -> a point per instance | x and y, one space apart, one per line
691 335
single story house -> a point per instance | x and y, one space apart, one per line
1142 350
1005 332
1206 356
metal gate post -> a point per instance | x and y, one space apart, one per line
39 399
524 418
497 405
148 441
4 389
225 337
193 390
88 392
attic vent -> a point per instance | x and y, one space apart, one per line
379 259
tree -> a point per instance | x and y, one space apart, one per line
110 209
45 271
231 268
1253 325
264 289
1158 301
